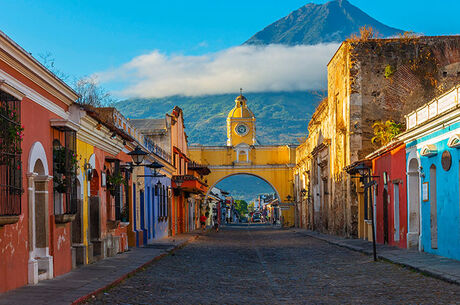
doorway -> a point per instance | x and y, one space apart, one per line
40 265
433 208
414 204
385 216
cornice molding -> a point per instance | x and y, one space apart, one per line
24 63
98 138
33 95
251 167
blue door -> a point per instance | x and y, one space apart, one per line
142 222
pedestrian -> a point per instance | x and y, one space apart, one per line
203 222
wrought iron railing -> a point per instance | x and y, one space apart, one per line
10 155
157 150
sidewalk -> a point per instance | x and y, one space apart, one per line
80 284
436 266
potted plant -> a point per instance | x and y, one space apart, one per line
113 182
65 165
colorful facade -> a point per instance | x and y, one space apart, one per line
388 196
157 140
35 220
433 180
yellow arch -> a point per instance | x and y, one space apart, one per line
235 174
273 164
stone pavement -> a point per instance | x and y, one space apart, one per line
433 265
80 284
265 265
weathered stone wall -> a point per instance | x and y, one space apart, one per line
378 79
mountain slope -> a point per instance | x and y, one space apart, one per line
311 24
281 116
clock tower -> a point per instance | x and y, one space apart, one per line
241 124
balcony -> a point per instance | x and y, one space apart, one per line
190 184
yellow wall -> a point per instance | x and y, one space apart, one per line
84 152
273 164
259 155
236 138
287 214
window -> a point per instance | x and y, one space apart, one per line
163 200
10 155
65 165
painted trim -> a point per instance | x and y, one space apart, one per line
22 61
429 150
33 95
454 141
37 152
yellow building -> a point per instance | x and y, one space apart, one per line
272 163
95 142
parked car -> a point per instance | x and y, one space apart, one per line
256 217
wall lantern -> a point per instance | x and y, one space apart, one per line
362 169
138 155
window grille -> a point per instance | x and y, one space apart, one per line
65 165
10 155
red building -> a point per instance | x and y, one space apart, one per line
35 210
389 165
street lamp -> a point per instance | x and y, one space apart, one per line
138 155
365 175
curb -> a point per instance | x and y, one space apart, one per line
432 274
84 298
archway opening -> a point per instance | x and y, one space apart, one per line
244 198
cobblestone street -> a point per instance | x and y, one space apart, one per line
260 264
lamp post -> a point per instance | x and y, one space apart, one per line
137 155
365 174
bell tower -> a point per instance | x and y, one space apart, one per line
241 123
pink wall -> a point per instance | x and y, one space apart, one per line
14 238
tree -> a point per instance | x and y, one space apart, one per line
91 93
251 207
241 206
47 59
386 131
87 87
365 33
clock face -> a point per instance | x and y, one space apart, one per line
242 129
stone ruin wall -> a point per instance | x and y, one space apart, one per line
360 92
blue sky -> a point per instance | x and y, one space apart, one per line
91 36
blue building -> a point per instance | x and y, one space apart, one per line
433 176
155 202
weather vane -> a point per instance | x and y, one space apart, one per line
241 91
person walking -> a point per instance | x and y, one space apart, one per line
203 222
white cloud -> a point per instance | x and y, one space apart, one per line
255 68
